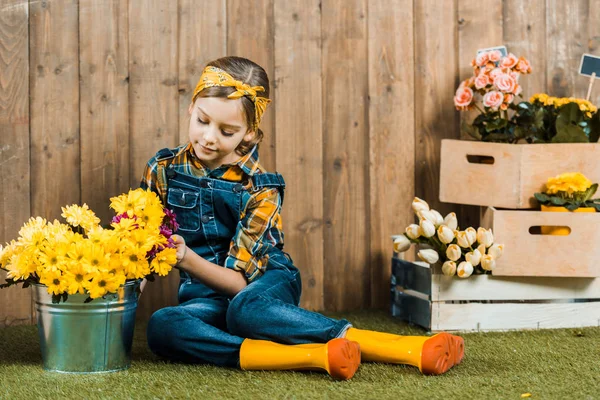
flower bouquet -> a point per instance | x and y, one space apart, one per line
461 253
82 257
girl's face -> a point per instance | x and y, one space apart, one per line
217 127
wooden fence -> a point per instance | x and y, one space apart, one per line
362 91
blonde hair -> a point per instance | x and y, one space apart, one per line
247 72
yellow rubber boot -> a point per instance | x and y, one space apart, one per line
339 357
433 355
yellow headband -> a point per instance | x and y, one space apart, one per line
213 76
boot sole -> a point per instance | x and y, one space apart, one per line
441 352
344 358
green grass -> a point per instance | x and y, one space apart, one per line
549 364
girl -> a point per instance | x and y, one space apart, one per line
239 291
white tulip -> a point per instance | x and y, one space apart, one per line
413 231
464 269
450 221
428 215
428 255
488 263
453 252
474 257
449 268
418 205
472 235
427 228
481 249
485 237
462 239
438 217
401 244
496 251
445 234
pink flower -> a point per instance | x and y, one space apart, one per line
463 97
482 81
493 99
494 55
518 90
509 61
482 59
505 83
515 75
494 74
467 82
523 66
508 98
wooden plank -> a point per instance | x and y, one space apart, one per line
508 316
488 287
55 141
435 84
346 150
411 309
391 167
525 35
250 35
104 103
527 254
202 40
411 276
15 303
566 31
153 100
593 44
299 149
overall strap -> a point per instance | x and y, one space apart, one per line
268 180
166 154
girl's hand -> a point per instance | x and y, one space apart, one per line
181 248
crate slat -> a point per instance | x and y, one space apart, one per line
489 317
412 309
411 276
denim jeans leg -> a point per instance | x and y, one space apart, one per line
194 332
268 309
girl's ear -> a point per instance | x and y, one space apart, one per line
249 136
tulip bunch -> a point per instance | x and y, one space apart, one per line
461 252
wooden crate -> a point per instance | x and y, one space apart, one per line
529 253
467 175
487 303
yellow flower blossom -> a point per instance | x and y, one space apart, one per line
103 283
80 216
569 183
54 281
164 261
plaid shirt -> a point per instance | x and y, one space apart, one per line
260 221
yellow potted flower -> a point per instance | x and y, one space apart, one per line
86 278
568 192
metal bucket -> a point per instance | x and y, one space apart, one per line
78 337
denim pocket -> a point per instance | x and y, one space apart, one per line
186 208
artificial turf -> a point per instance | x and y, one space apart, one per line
547 364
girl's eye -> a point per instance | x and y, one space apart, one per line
226 133
202 122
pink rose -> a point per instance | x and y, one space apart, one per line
505 83
482 59
467 82
518 90
482 81
493 99
509 61
494 55
508 98
494 74
523 66
515 75
463 97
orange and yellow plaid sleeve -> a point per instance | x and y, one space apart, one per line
154 178
259 230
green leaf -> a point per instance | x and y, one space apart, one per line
569 114
596 206
542 197
569 134
88 300
572 206
595 128
470 130
557 201
55 298
590 192
496 124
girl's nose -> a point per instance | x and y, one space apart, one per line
209 135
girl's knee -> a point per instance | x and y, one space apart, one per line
241 312
161 330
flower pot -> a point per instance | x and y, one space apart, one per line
79 337
561 230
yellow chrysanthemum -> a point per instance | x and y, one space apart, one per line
569 183
151 217
54 281
76 277
80 216
131 203
103 283
94 259
539 97
134 262
164 261
54 257
124 226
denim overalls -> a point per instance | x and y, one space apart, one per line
209 327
